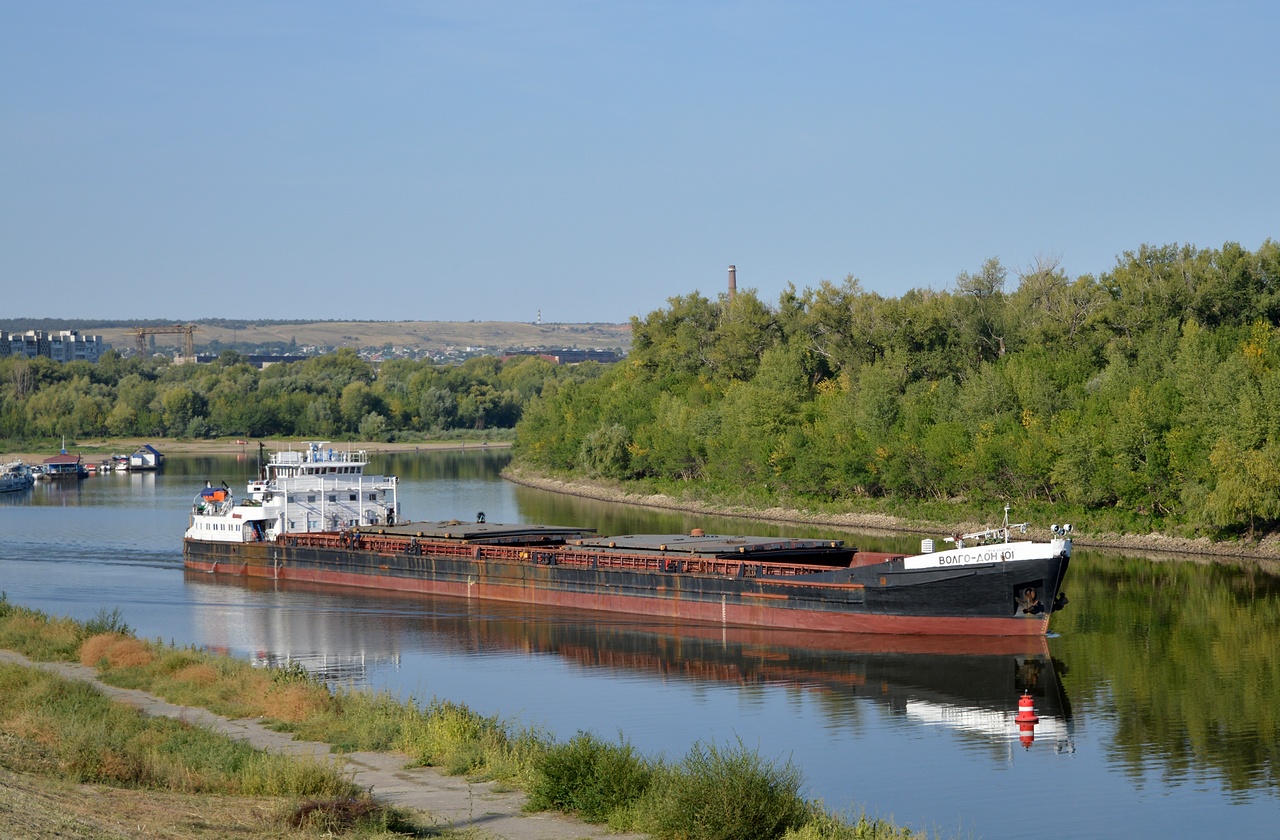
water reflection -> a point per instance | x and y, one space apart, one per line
1181 655
967 684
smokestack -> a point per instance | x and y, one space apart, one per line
733 283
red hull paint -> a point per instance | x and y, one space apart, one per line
664 606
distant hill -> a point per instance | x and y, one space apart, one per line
414 335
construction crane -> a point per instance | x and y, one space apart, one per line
186 330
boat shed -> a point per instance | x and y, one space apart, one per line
146 458
64 465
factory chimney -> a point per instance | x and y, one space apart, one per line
733 283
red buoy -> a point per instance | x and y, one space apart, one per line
1026 720
1026 710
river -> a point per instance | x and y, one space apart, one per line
1158 693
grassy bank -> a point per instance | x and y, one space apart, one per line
714 791
73 763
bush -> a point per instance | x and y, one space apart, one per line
107 622
349 815
589 778
722 794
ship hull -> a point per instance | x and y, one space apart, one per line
877 598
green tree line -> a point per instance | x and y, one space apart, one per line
1150 392
334 396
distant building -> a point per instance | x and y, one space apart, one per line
62 346
146 458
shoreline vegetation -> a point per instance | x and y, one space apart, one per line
61 734
1266 550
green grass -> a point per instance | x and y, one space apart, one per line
713 792
590 778
89 738
722 793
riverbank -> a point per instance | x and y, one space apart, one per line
95 450
494 778
451 805
1266 551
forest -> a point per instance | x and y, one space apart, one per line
337 396
1146 398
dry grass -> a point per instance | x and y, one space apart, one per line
115 651
39 808
199 675
294 703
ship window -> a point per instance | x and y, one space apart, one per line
311 498
373 497
333 497
354 497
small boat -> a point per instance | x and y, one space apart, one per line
16 476
314 515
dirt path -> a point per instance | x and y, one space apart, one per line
445 801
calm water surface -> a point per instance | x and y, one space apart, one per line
1159 694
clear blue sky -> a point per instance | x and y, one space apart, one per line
487 160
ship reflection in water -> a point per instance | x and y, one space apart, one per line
969 685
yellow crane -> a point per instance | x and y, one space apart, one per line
188 332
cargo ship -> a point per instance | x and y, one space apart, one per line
315 515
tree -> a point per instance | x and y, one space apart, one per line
1248 488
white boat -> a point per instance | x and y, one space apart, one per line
15 476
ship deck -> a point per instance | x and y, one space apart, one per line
484 533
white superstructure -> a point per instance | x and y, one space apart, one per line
995 545
317 488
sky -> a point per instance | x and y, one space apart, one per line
587 161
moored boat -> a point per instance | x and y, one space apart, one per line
16 476
314 515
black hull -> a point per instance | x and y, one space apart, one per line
879 598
